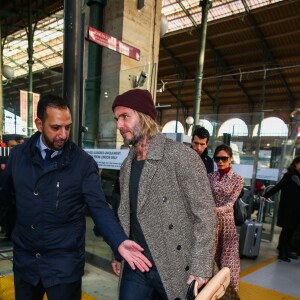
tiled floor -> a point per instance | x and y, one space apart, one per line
279 276
264 278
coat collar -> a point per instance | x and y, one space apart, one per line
156 147
296 179
204 154
229 173
31 150
155 151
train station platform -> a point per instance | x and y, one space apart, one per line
263 278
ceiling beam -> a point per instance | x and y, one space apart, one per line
218 56
178 62
268 53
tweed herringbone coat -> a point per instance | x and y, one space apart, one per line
176 212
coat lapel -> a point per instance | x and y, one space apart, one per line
154 154
124 182
146 180
295 178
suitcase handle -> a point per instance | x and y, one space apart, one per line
261 209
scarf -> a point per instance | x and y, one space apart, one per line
222 172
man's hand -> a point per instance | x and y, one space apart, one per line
132 253
116 266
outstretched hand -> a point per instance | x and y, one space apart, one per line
132 253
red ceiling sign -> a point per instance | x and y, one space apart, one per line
112 43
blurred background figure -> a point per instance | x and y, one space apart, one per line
2 144
9 217
289 208
12 143
20 140
259 187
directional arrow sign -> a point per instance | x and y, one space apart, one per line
112 43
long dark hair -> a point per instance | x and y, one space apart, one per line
292 167
225 148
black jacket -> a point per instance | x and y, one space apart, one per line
49 235
289 205
208 162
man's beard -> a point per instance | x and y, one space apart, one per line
137 135
51 144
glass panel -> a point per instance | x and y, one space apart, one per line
47 44
177 19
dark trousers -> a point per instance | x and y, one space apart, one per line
285 240
26 291
136 285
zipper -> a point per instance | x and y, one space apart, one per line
57 194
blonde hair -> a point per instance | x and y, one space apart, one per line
149 127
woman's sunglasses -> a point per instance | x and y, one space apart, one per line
222 158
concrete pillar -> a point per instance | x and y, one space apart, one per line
139 29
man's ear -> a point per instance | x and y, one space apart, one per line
39 124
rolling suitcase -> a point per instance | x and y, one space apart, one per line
250 235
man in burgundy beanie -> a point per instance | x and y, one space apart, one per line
139 100
166 205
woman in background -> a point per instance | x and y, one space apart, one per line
226 187
289 208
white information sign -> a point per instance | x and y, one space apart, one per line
246 171
108 158
267 174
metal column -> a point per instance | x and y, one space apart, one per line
30 62
1 90
257 148
72 62
205 4
93 82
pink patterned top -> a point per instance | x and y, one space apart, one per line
226 190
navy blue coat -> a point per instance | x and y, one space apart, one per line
49 235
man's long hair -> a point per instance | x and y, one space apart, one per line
149 127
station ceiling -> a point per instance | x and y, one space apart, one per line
250 56
252 53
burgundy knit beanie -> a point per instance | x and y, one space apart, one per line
137 99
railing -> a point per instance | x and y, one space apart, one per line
4 151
